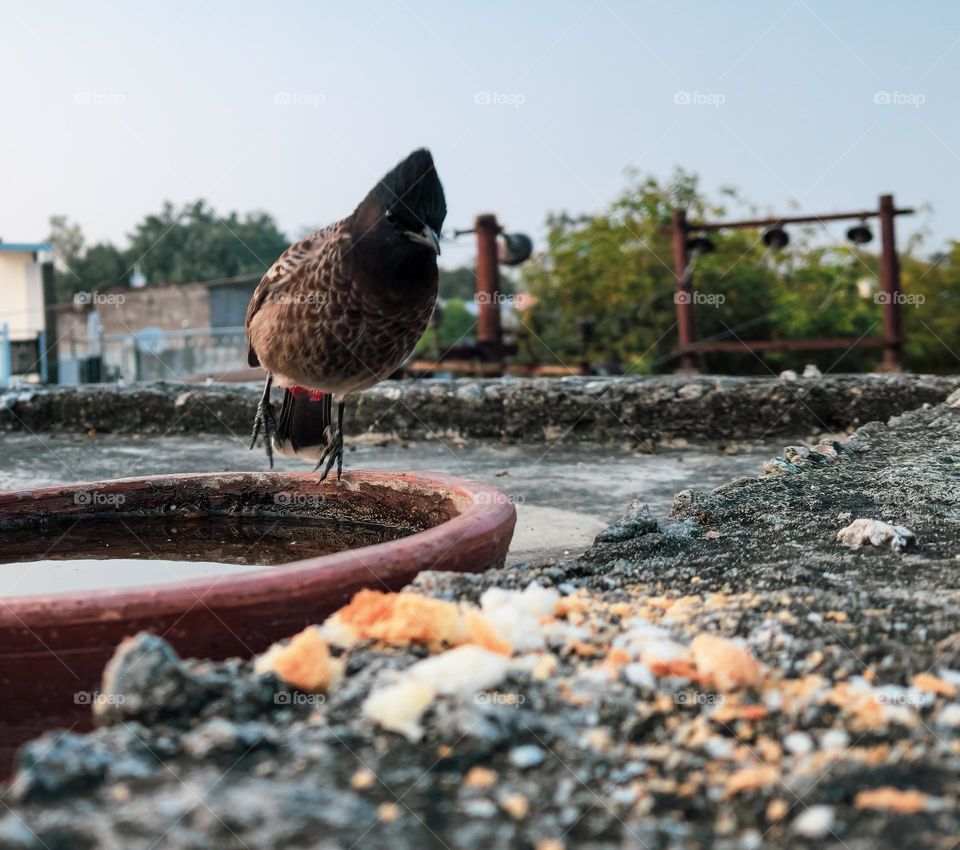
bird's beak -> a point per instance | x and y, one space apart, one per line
428 236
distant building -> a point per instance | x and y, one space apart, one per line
26 293
167 331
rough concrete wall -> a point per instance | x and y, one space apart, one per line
632 410
157 307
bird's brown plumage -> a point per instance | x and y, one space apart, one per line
343 308
313 322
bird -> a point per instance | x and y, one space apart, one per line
343 308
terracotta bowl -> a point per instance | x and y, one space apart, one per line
55 646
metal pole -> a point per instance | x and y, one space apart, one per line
683 296
489 332
890 283
44 357
6 363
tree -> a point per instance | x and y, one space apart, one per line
194 243
614 270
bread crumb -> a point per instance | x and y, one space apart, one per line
515 805
892 799
304 663
480 777
363 779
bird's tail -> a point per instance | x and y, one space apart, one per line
304 418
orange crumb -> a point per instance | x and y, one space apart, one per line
402 618
892 799
777 810
445 751
305 662
515 805
363 779
933 685
681 667
388 812
749 779
480 777
617 657
584 649
621 609
725 663
545 667
480 632
550 844
729 712
567 605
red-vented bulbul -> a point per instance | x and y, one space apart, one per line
343 308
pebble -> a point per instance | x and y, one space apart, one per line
798 743
526 756
815 822
835 739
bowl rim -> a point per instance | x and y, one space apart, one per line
484 510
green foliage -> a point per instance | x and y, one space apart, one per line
457 324
173 246
615 271
195 243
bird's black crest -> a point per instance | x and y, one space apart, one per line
412 190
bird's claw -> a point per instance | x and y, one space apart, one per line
332 453
266 419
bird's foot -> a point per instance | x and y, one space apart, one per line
267 420
332 453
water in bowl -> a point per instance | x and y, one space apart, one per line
129 551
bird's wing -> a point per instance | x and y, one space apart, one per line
287 268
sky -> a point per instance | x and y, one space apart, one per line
297 108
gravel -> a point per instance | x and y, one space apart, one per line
851 742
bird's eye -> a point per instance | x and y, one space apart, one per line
390 216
